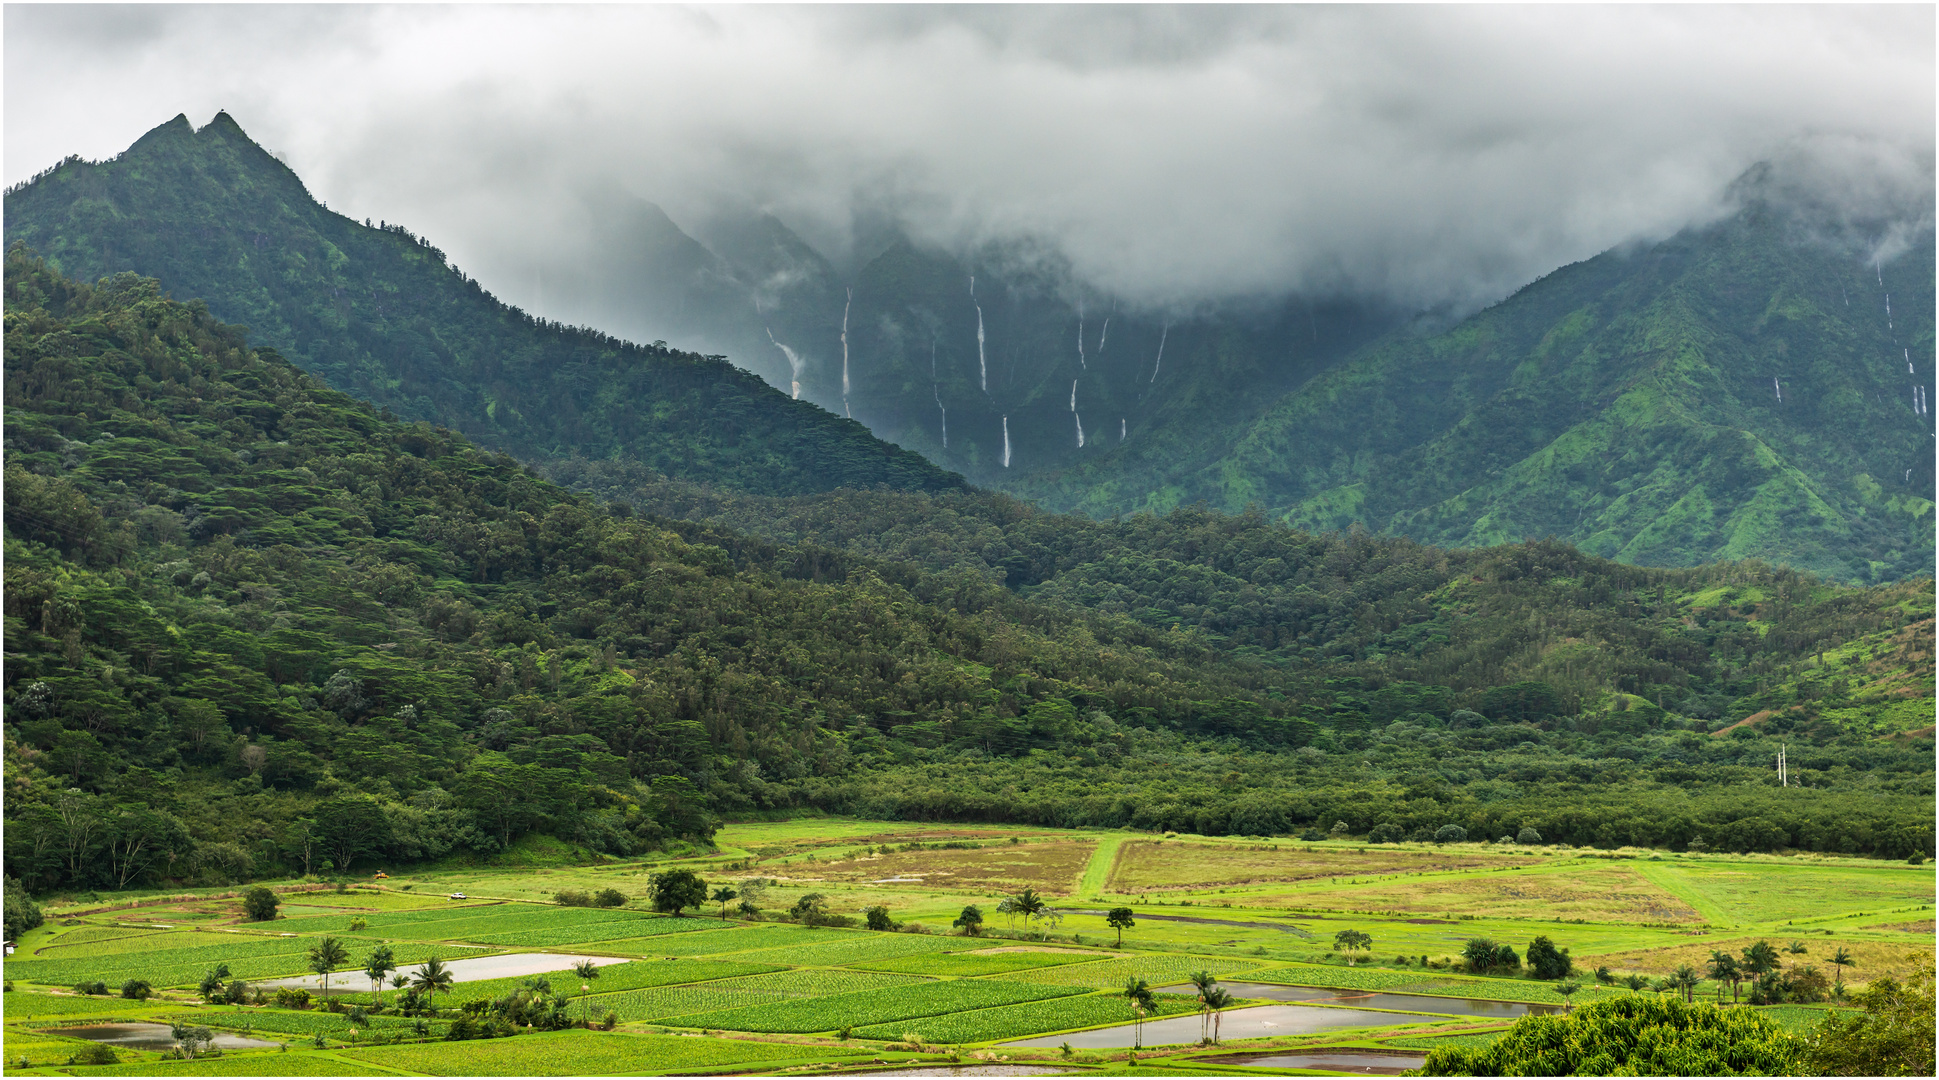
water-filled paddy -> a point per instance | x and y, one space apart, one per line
1256 1022
1367 999
471 969
150 1037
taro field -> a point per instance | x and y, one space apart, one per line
765 992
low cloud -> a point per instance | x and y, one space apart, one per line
1432 156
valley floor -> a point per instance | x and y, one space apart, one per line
703 994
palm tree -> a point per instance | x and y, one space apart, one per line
379 963
1685 978
1567 990
326 956
433 978
399 980
1723 968
1138 993
1204 981
1840 960
1635 982
1216 999
721 896
588 970
1797 948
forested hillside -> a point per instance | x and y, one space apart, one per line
1746 389
253 625
378 313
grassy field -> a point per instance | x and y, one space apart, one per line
739 995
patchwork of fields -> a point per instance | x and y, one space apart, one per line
705 994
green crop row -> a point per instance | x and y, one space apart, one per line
579 933
973 964
1158 970
254 1063
1034 1018
611 978
152 942
258 959
660 1002
835 948
872 1006
310 1022
708 942
820 982
24 1005
394 922
1420 983
82 934
585 1053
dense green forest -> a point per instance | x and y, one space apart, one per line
378 313
254 626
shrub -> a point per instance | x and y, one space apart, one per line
259 903
609 898
571 898
98 1054
878 918
292 997
137 989
611 1021
1528 835
1548 962
1386 833
1450 834
96 987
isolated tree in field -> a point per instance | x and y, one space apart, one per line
211 986
1567 990
1216 999
587 970
259 904
379 963
1120 919
1450 834
190 1038
878 917
1630 1036
1138 993
1841 960
433 978
1480 954
1547 961
673 891
1351 942
971 921
1528 835
1892 1037
722 896
326 956
811 909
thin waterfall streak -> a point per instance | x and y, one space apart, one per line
1162 335
794 365
982 364
1080 430
1073 395
1006 442
1780 391
850 302
1080 339
1102 334
1120 429
936 389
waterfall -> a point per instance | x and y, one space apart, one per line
936 389
1006 442
794 364
850 302
1780 391
1073 410
1908 361
982 365
1162 334
1102 334
1080 339
1842 296
1120 429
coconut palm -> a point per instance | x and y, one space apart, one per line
1204 981
433 978
1723 968
1138 993
379 963
1685 978
327 955
1567 990
1841 960
722 895
1635 982
588 970
1217 999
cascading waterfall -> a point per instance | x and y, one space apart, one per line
982 365
1074 414
936 389
1102 334
850 302
1888 314
1908 362
794 364
1842 296
1006 442
1080 339
1120 429
1780 391
1162 334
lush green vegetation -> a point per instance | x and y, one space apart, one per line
1630 1037
254 628
873 1006
1036 1017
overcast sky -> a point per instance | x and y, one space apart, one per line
1436 155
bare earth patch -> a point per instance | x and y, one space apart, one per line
1917 926
1599 894
1875 958
1047 867
1149 865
